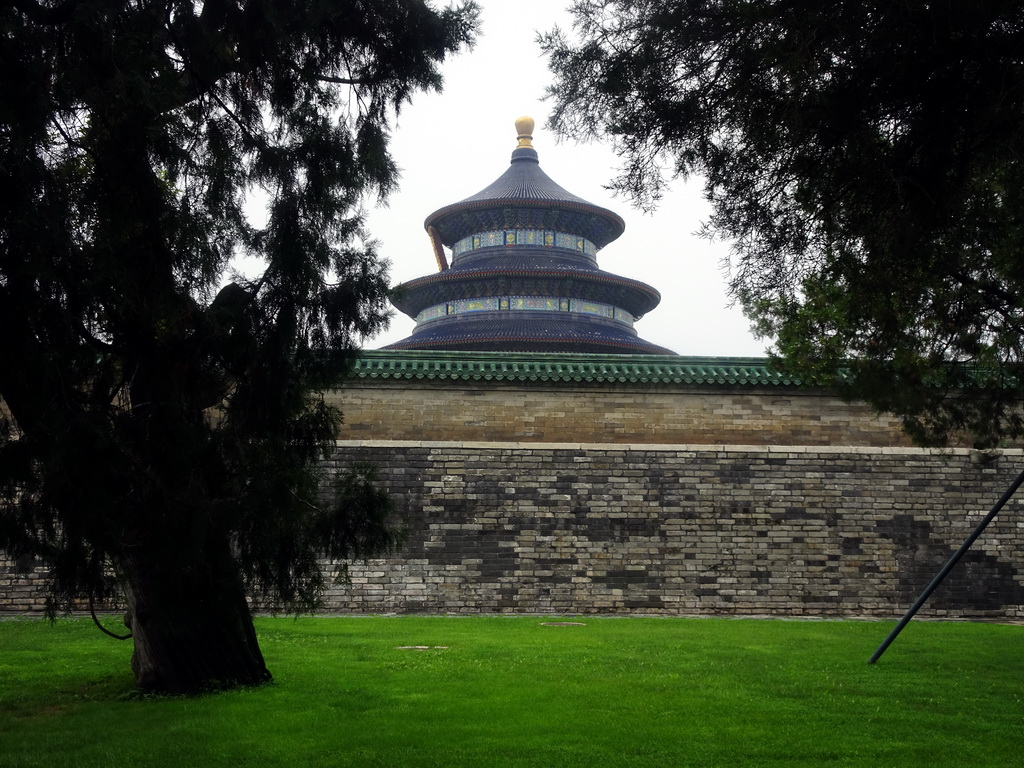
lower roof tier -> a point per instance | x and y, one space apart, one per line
526 332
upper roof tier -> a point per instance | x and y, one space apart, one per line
524 197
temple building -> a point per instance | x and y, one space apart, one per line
523 275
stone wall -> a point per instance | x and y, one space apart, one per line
577 484
679 530
692 529
607 413
21 589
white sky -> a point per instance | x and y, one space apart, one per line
451 145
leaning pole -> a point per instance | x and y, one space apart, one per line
947 568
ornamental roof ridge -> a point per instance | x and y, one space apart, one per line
550 367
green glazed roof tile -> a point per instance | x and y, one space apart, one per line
566 367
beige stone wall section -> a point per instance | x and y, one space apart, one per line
619 414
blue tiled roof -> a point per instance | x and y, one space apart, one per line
540 331
524 184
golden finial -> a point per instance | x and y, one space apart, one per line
524 127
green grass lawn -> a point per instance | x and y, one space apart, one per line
513 692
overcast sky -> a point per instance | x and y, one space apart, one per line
452 145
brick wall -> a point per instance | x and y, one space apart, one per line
684 529
21 588
691 530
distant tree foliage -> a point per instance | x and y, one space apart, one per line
866 160
162 434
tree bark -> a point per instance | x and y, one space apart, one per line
193 632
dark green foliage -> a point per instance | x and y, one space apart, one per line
162 431
865 160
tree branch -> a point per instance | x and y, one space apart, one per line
341 80
96 621
332 79
42 14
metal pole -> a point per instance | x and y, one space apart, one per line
947 568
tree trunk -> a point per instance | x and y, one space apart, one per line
194 631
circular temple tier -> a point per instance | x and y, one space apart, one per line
523 273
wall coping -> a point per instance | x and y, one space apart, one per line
694 447
566 367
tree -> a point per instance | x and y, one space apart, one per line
162 436
865 160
